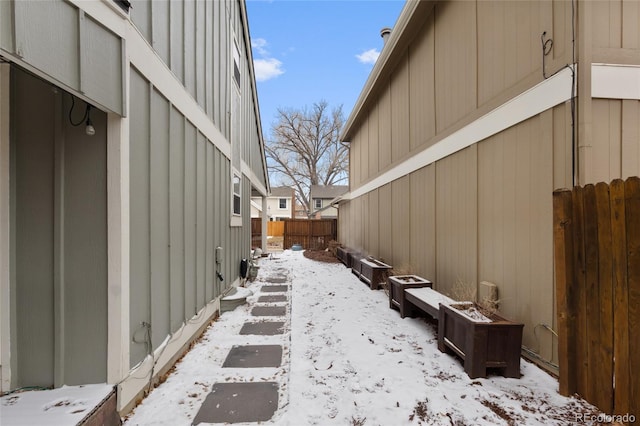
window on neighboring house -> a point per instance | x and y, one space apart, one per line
236 194
282 203
318 203
236 64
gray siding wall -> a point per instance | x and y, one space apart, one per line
180 211
85 57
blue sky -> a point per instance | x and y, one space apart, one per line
313 50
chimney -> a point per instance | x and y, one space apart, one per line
384 33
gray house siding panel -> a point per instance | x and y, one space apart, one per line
210 276
34 203
6 25
177 38
140 310
200 53
141 16
201 220
176 219
189 47
159 220
160 28
190 231
101 64
39 41
84 254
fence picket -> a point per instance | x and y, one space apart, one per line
599 271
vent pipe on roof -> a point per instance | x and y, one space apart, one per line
384 33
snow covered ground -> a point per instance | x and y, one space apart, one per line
349 359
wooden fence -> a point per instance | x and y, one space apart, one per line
597 263
275 229
311 234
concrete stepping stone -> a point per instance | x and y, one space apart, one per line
254 356
239 403
274 288
263 328
276 279
272 298
269 311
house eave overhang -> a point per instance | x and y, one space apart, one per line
408 24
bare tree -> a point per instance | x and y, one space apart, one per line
306 149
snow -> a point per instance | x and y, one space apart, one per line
66 405
348 358
430 296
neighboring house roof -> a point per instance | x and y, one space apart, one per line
281 191
328 191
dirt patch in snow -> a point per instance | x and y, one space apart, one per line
321 256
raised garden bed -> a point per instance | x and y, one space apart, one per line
397 285
490 341
370 271
346 255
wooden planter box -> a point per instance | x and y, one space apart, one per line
397 284
346 256
481 345
371 271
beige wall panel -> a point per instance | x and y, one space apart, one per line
421 87
422 260
455 74
374 222
607 23
384 129
508 44
354 161
606 144
364 222
630 138
385 242
363 142
515 240
400 110
456 220
373 143
561 28
401 223
630 27
562 147
344 216
160 28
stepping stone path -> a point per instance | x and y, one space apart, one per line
238 399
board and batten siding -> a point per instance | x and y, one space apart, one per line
481 213
180 211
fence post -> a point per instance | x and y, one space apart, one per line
563 260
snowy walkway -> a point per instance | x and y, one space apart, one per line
349 359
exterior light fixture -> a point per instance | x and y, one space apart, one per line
86 118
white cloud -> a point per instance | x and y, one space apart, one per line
259 45
267 68
369 56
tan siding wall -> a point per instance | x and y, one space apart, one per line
422 117
385 243
373 142
400 112
374 222
562 151
456 220
616 140
423 222
384 127
401 216
508 43
455 73
515 245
